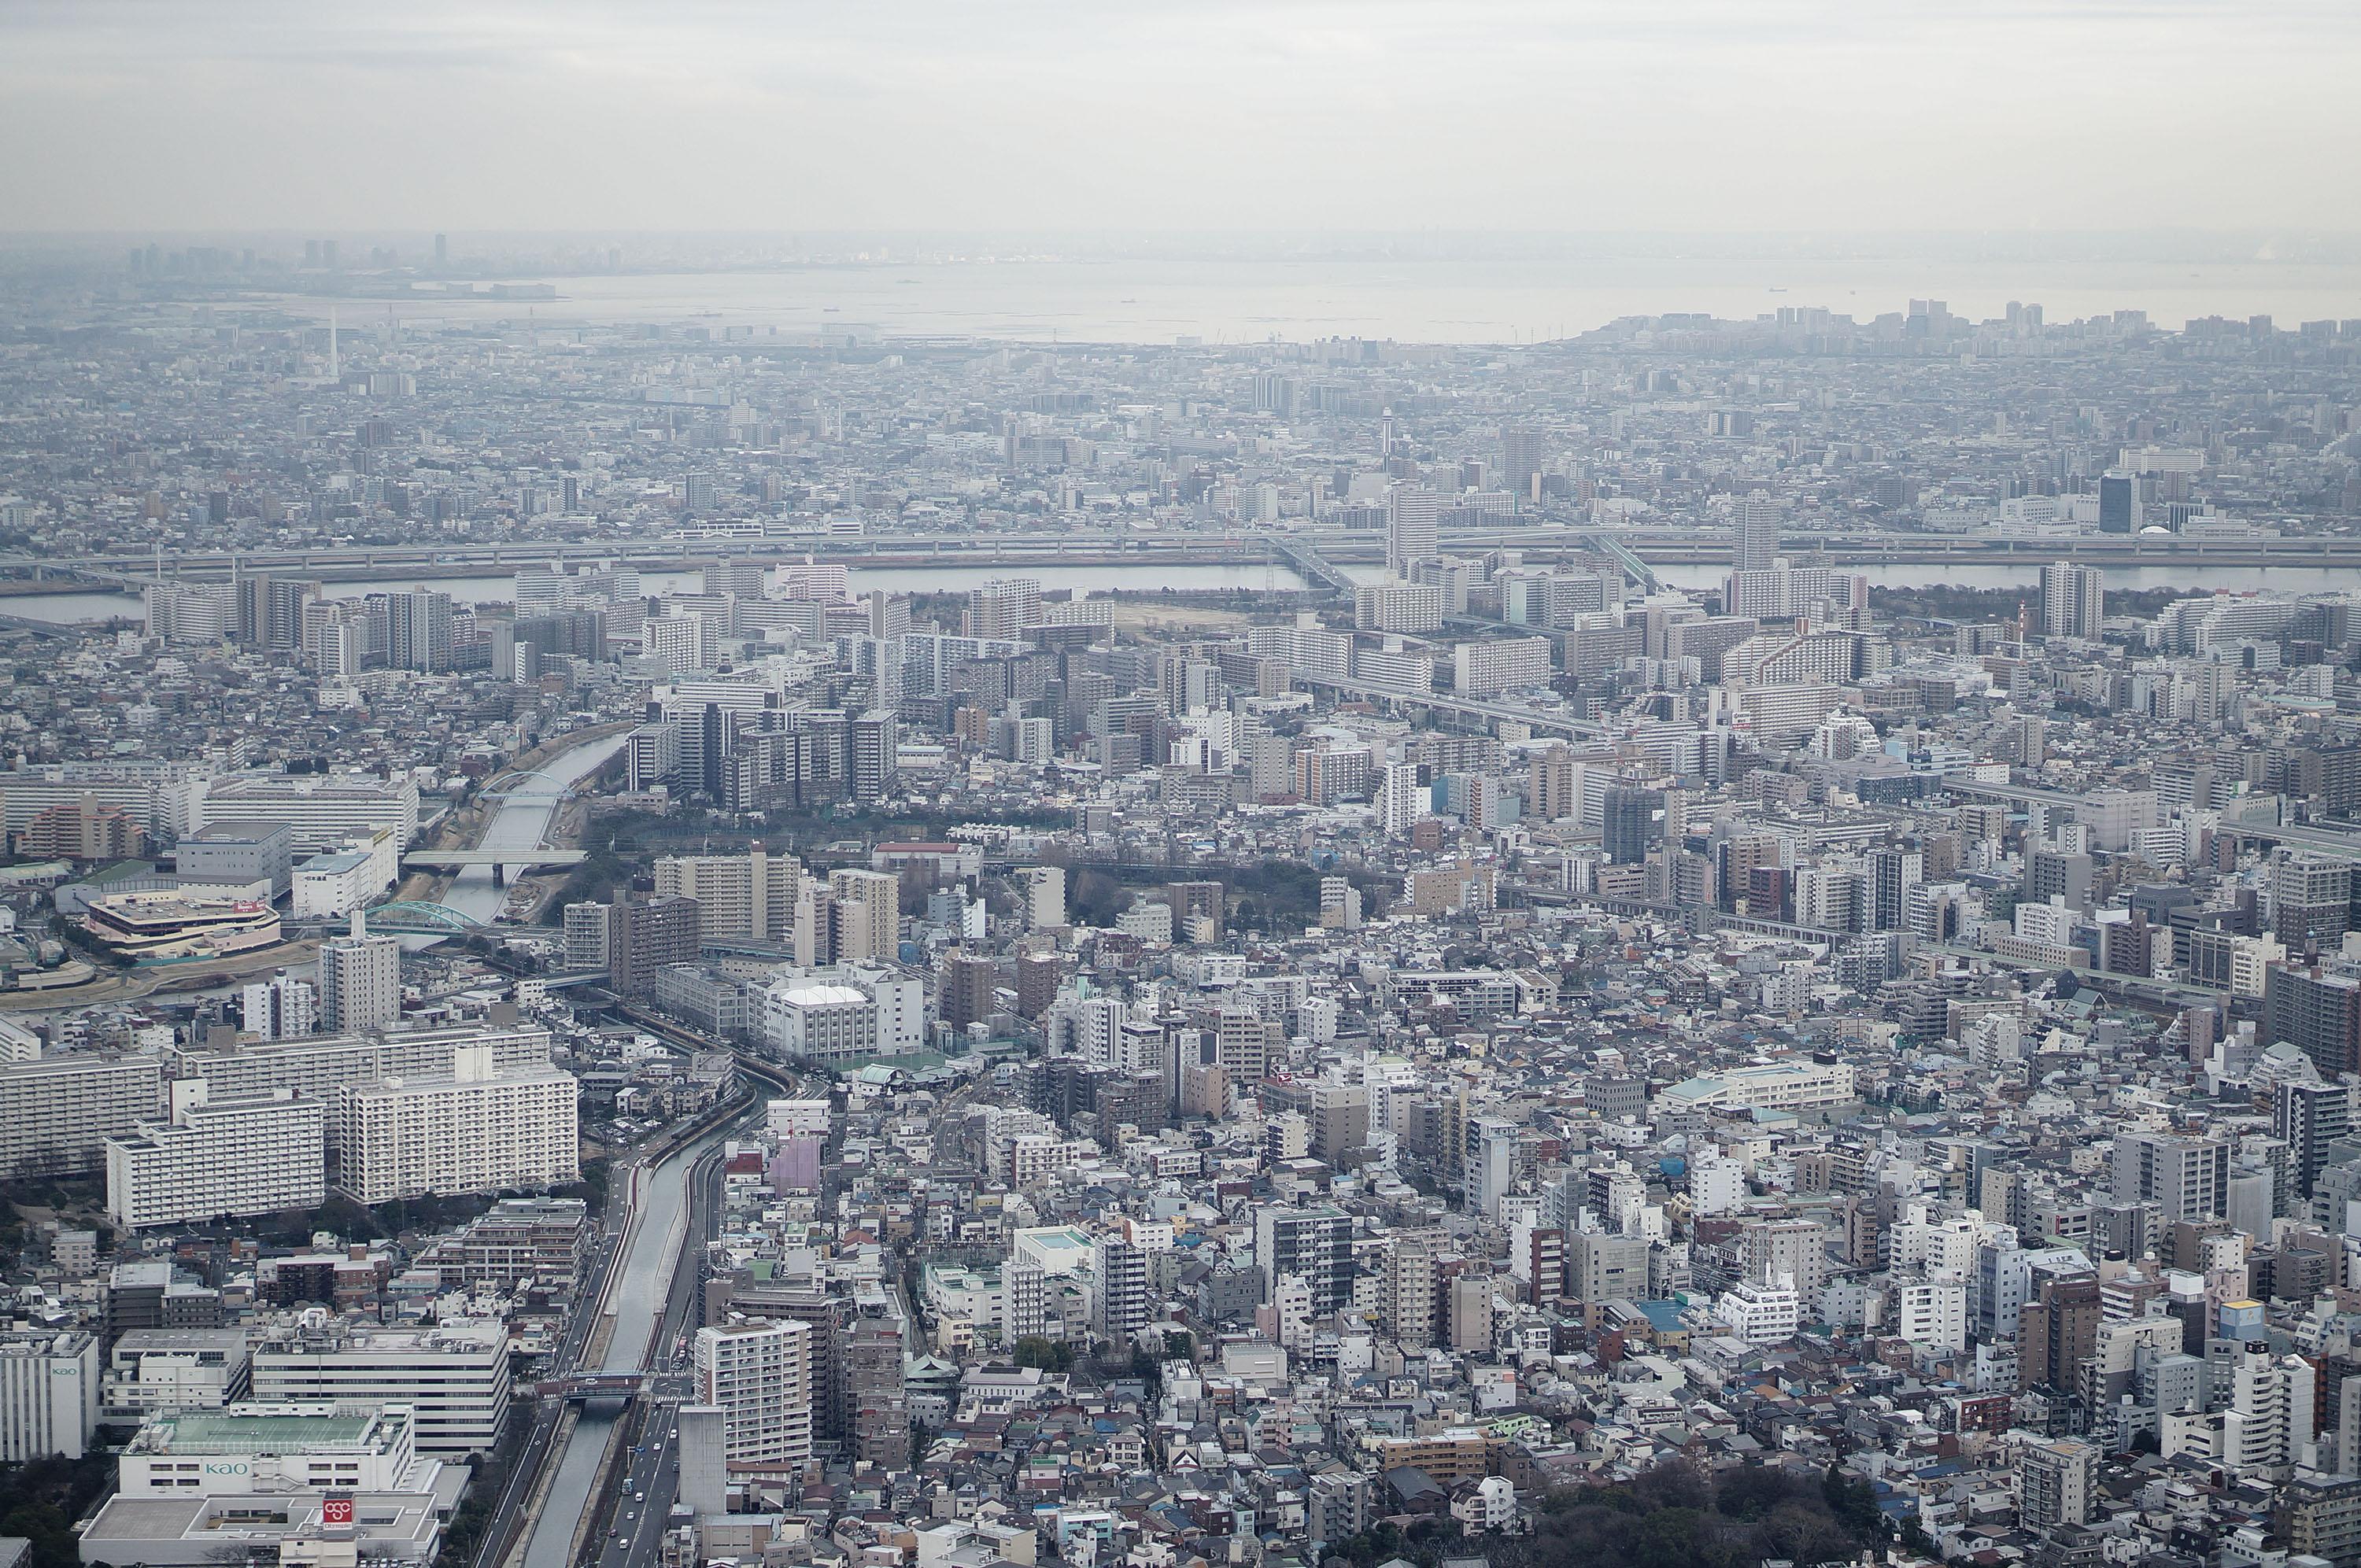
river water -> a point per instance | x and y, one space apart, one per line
523 823
644 1278
70 608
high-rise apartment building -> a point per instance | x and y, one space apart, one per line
964 989
480 1129
759 1374
1314 1245
1407 1303
360 980
1413 517
643 934
2057 1483
418 630
747 897
2312 901
57 1113
252 1156
876 1402
2187 1179
1757 530
1004 606
1121 1303
2309 1117
279 1008
2319 1014
2073 600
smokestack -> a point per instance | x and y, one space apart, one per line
335 374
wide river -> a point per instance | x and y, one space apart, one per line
67 609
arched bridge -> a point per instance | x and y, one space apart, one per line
418 917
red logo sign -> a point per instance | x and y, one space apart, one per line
336 1510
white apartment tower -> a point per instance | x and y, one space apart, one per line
360 980
760 1377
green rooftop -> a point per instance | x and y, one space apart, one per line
223 1432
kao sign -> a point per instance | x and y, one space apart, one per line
336 1510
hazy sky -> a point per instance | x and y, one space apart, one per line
1583 115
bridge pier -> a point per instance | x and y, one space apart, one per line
500 875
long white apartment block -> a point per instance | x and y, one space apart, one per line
480 1128
57 1113
321 811
251 1155
319 1064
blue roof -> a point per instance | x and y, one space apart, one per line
1662 1314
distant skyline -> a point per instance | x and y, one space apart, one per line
1705 117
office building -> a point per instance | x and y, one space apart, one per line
152 1370
818 1022
274 1450
1632 823
49 1393
2119 505
454 1378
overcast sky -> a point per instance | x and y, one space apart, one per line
1579 115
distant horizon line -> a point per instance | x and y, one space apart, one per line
1326 232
